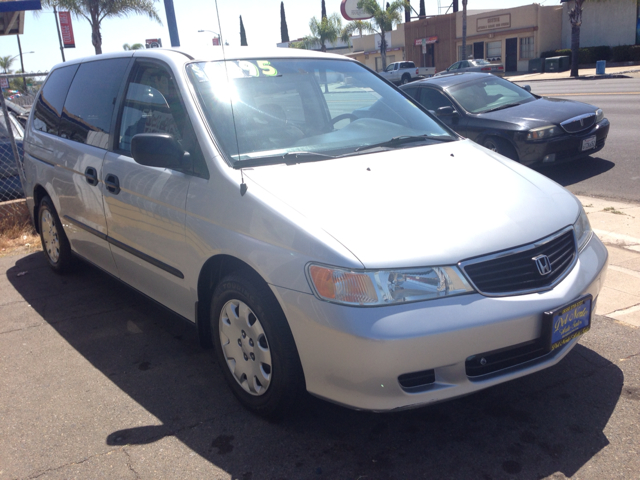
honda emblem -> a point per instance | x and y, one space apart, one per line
543 263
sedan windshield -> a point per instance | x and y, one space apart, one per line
489 94
291 110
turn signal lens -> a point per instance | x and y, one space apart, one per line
343 286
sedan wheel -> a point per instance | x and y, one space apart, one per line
500 146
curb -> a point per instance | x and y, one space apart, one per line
580 77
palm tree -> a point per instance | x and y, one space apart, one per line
6 62
135 46
382 21
325 30
95 11
352 27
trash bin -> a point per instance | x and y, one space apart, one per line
536 65
600 67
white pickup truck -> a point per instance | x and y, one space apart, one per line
404 72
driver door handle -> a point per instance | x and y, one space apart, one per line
113 183
91 175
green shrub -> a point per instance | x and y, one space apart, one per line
621 53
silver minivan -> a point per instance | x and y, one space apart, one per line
322 230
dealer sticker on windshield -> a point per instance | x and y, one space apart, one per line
589 143
569 321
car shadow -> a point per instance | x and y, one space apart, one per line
548 422
570 173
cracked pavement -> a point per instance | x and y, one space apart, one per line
96 381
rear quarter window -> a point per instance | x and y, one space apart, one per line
51 99
88 109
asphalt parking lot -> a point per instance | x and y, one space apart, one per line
99 382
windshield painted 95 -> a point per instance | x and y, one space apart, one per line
276 110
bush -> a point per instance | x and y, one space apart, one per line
634 53
621 53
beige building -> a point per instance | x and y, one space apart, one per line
366 49
512 36
609 23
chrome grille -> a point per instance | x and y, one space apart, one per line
515 271
579 123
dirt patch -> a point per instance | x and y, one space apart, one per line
17 234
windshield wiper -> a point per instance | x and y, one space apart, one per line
289 158
502 107
401 140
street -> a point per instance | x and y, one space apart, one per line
99 382
614 172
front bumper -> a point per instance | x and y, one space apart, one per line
357 357
565 147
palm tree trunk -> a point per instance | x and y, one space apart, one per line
96 38
464 30
575 49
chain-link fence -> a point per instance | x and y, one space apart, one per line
13 117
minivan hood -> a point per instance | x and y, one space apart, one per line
431 205
543 111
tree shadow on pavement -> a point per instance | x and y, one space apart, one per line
548 422
576 171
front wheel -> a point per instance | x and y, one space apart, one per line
500 146
55 243
254 346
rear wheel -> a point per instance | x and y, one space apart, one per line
254 346
405 79
500 146
55 243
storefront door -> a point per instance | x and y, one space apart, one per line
511 51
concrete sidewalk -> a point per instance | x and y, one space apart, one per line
584 74
618 226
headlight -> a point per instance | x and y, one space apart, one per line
385 287
544 132
599 115
582 230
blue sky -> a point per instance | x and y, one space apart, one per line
261 19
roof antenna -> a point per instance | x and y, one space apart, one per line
243 186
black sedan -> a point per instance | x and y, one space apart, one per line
510 120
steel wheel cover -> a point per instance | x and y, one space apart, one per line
50 236
245 347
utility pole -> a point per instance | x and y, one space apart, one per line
24 79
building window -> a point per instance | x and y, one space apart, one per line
526 47
494 50
469 52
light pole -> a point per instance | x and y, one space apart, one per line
217 34
24 80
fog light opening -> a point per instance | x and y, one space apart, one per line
549 158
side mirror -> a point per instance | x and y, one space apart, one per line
158 150
527 88
445 111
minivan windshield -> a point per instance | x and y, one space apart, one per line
277 110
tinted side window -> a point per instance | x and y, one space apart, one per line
153 105
432 99
49 104
87 112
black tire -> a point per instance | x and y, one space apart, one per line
55 243
405 79
500 146
270 359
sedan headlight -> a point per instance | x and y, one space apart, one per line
385 287
599 115
547 131
582 229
